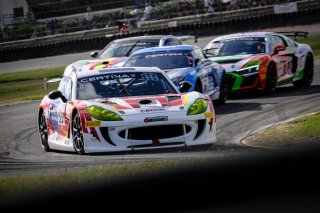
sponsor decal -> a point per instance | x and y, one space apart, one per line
156 119
152 110
106 77
92 124
208 115
164 54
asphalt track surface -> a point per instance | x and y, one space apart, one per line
21 152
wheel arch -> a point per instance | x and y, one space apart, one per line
275 66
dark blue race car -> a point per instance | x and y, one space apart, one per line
185 64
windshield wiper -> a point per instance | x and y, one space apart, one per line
131 48
121 84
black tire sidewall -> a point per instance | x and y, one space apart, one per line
45 145
78 151
271 87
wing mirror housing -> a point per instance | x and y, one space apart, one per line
94 54
55 94
196 61
278 49
184 86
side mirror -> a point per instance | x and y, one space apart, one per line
278 49
184 86
57 94
94 54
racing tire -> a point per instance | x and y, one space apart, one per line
43 131
224 90
307 75
271 79
77 135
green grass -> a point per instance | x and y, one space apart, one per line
24 90
314 42
14 186
27 85
308 126
31 74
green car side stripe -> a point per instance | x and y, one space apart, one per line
238 81
285 81
298 75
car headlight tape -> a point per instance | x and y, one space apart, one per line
249 70
198 107
103 114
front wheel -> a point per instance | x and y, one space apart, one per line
271 79
43 131
77 135
223 90
307 74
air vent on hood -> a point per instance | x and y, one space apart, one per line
144 102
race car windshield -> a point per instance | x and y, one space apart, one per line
238 46
111 85
162 59
124 49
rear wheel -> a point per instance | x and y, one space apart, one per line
307 75
223 90
77 135
43 131
271 79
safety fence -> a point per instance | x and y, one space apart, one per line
206 24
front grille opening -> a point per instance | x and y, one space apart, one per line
188 129
159 132
201 125
122 134
250 80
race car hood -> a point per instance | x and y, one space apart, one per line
93 64
146 104
106 62
173 73
233 63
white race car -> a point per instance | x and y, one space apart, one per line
124 109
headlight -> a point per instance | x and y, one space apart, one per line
198 107
102 114
248 70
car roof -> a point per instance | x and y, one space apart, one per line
244 35
118 70
176 47
146 37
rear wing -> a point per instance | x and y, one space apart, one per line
295 34
46 82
